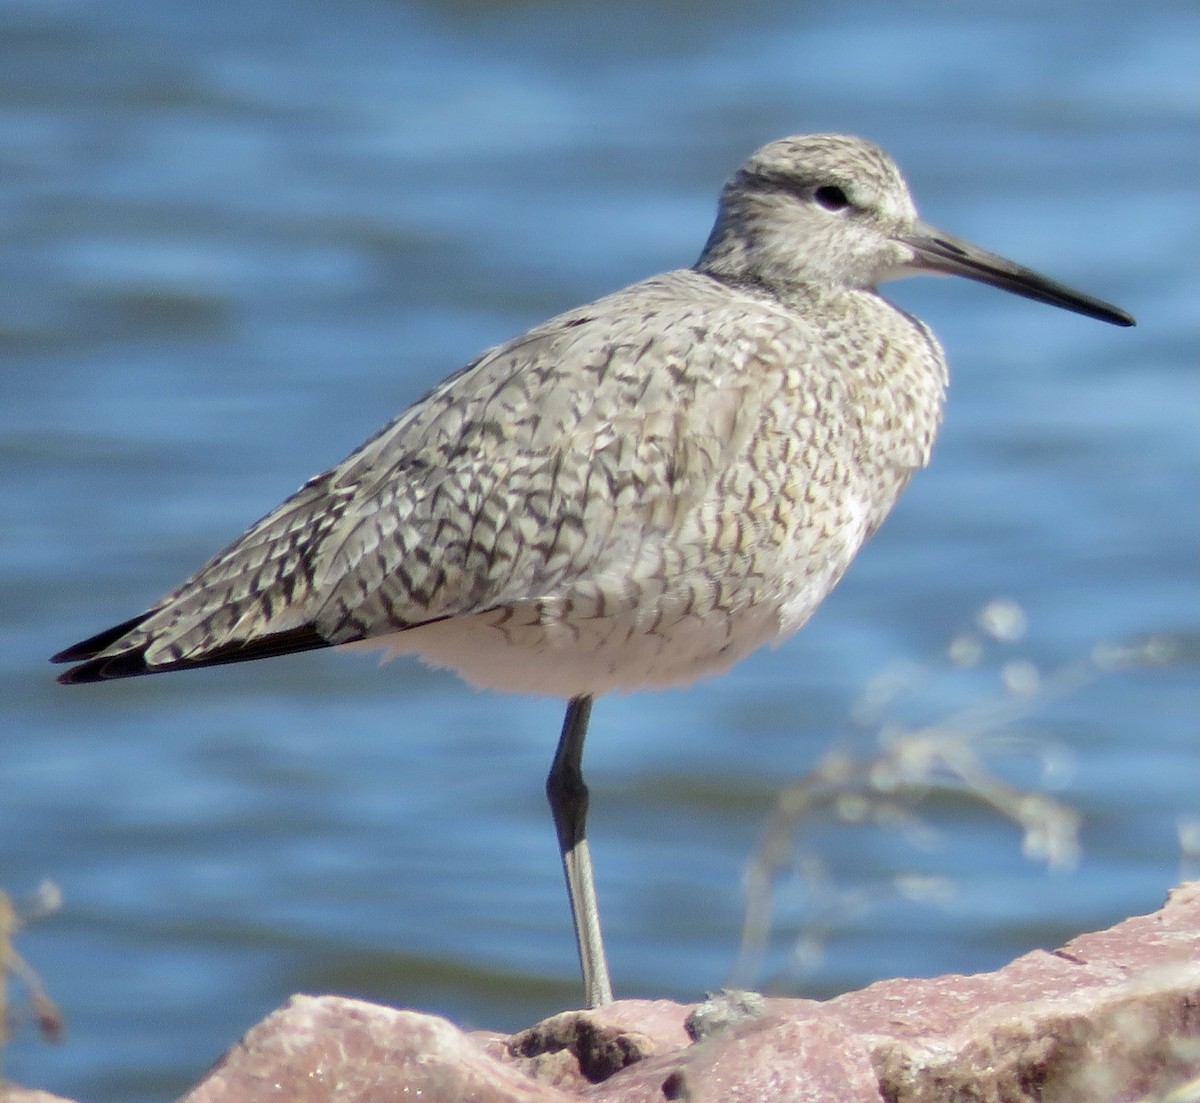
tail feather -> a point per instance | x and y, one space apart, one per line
101 641
101 659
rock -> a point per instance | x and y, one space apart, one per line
579 1048
1112 1017
325 1049
722 1011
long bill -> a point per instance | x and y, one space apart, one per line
935 251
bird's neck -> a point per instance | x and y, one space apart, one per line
794 293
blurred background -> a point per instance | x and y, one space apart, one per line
237 237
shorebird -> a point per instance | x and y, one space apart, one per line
634 494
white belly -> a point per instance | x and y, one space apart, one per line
495 651
544 648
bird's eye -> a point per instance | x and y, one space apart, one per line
831 197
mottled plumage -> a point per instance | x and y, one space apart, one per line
636 492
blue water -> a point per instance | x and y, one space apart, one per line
237 237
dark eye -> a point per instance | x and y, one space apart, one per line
831 197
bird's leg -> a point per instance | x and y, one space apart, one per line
568 797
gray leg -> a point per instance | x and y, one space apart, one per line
568 805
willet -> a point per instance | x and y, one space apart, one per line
636 493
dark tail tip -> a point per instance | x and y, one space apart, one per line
92 669
128 665
96 666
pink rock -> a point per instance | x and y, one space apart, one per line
1112 1017
580 1048
327 1049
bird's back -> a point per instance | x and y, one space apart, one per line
633 493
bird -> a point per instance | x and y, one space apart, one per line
634 494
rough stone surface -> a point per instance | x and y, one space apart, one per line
327 1049
578 1049
1112 1017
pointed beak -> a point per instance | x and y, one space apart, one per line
935 251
